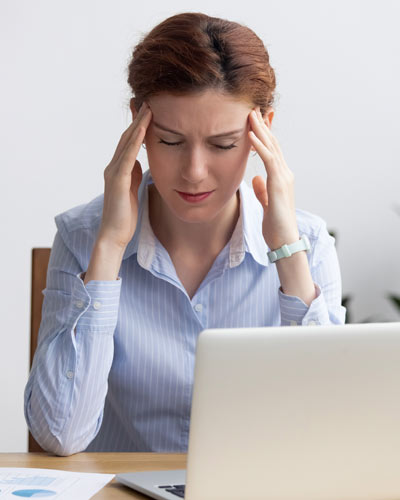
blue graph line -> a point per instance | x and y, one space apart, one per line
34 493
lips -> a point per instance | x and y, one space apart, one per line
194 197
194 194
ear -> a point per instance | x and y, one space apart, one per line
269 115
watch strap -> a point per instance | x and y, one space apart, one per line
287 250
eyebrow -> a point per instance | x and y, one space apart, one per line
224 134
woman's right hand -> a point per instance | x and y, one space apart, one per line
122 178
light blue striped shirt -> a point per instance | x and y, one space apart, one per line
124 382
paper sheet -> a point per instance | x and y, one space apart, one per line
53 484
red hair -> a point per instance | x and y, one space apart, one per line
193 52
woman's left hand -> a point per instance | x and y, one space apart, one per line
276 193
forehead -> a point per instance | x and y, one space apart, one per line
206 113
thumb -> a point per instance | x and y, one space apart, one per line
260 190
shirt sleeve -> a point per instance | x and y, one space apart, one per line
66 389
327 307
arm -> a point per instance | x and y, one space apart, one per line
301 300
295 277
323 266
67 386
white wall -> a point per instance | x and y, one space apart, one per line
64 107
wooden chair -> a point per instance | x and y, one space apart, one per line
40 261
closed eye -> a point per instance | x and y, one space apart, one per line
177 144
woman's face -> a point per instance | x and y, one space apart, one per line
204 150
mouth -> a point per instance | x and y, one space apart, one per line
194 197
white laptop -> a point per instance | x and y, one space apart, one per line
294 413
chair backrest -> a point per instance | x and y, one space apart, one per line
40 261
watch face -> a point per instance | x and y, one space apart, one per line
272 256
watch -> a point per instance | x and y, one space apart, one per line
288 250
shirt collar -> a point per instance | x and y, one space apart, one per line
251 213
246 237
133 245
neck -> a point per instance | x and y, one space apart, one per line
194 238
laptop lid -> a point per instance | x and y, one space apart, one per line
299 412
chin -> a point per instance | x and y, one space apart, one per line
191 217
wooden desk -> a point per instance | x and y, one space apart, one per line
111 463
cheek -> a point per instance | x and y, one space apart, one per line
153 149
238 161
230 175
161 158
239 165
157 161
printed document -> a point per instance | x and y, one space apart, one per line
17 483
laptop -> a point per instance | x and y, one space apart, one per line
297 412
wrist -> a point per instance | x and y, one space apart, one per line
277 243
106 246
105 261
287 250
295 277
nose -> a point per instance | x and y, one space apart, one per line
194 169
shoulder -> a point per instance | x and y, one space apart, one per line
81 217
315 227
311 224
78 227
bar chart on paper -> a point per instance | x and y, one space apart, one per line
49 483
31 480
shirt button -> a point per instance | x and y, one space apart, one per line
70 374
96 305
79 304
293 322
312 323
198 308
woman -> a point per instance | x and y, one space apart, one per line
136 274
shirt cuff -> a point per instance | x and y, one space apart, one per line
296 312
94 306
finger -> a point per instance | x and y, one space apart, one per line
270 135
265 154
127 135
136 122
260 190
130 150
270 141
259 128
128 156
